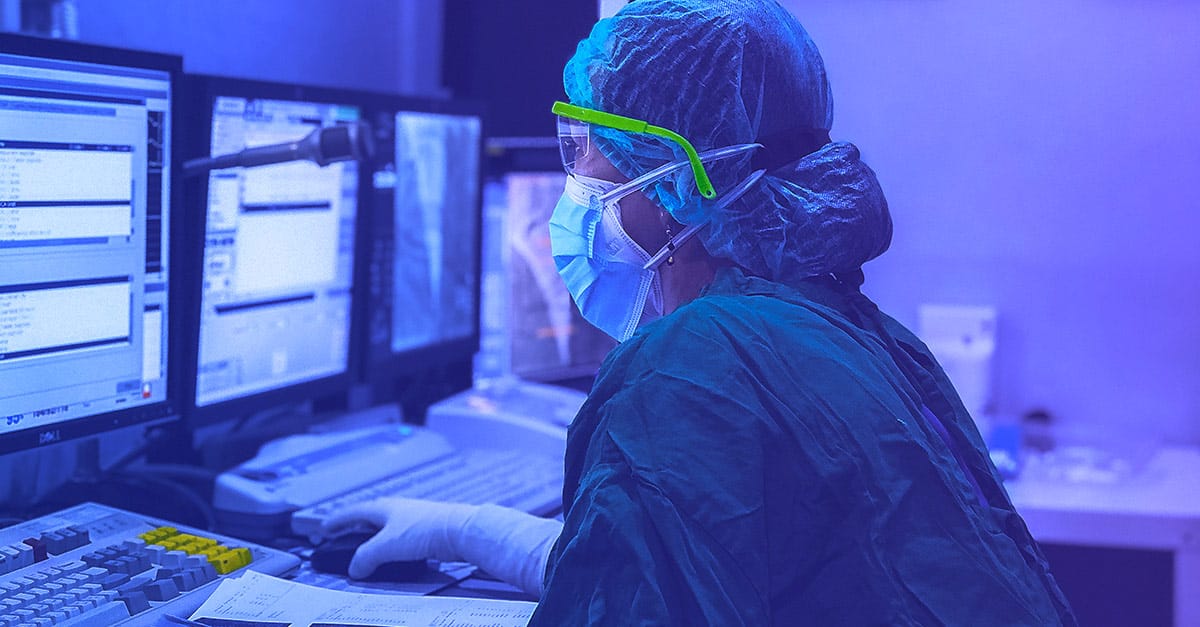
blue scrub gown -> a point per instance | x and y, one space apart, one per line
786 455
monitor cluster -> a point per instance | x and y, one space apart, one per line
130 294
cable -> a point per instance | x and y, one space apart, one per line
187 494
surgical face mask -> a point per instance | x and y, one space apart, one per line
614 282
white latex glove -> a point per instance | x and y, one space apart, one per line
511 545
409 529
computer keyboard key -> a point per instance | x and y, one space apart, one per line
70 539
230 561
67 568
136 601
84 536
156 552
129 564
24 554
189 580
173 559
207 573
134 544
53 541
111 552
105 615
161 590
39 548
112 580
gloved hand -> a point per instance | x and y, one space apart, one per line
409 529
511 545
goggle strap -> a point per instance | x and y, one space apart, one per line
709 155
674 243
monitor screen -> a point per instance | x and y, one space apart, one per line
547 338
85 153
278 253
424 238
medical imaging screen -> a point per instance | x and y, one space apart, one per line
424 269
548 338
84 183
278 255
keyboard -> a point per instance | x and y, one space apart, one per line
473 476
97 566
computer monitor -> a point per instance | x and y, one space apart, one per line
542 336
273 309
86 286
422 273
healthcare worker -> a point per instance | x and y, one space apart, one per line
764 446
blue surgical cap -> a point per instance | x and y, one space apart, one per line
726 73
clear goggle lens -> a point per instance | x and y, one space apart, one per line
574 142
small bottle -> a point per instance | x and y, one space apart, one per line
1037 434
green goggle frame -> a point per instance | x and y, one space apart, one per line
632 125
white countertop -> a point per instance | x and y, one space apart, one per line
1157 506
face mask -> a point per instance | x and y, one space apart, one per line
613 281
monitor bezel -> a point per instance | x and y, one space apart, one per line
382 371
167 410
199 93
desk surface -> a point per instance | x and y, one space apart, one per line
1157 507
1168 485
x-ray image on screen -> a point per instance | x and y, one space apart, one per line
435 220
550 340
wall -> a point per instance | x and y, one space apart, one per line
382 45
1041 157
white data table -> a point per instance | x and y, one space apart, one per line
1157 508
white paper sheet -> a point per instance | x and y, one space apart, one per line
257 600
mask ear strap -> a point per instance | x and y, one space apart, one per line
668 249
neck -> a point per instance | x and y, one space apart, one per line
692 271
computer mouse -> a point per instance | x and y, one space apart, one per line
333 556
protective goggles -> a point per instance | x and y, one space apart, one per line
575 140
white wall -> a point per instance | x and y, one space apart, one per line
1043 157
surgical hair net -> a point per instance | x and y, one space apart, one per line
725 73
